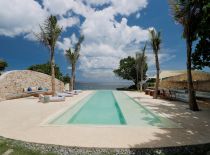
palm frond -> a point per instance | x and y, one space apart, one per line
49 32
73 56
78 44
155 40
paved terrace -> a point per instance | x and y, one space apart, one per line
22 119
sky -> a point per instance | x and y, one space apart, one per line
113 29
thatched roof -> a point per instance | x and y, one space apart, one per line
196 75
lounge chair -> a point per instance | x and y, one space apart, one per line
47 98
72 92
78 91
64 94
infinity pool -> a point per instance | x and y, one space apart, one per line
111 108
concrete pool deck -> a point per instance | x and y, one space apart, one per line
23 119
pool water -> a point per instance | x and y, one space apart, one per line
106 107
101 108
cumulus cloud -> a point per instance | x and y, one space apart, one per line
107 40
68 22
20 17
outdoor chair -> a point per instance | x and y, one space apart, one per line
64 94
72 92
47 98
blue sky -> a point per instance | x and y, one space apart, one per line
112 30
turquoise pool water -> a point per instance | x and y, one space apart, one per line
101 108
111 108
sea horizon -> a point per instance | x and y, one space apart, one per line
102 85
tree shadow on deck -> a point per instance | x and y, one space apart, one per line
192 139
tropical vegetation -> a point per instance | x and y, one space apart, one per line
66 78
46 69
73 55
127 70
186 12
201 54
15 148
155 42
3 65
49 34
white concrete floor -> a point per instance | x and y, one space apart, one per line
23 119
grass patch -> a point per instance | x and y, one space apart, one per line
18 150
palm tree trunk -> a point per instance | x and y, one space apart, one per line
137 78
157 75
192 99
52 62
71 85
74 76
142 76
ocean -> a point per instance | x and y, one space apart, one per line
102 85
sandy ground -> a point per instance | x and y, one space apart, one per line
23 119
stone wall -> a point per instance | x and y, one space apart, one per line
12 83
198 85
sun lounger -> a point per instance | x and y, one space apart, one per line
72 92
64 94
47 98
78 91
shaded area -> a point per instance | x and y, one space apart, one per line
195 128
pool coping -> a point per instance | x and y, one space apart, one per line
53 117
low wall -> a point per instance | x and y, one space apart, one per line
198 85
13 82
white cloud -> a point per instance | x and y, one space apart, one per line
62 7
67 43
97 2
68 22
126 7
20 17
107 40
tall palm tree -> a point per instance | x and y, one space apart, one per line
143 60
140 67
155 41
73 57
185 12
50 31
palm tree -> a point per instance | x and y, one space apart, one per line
50 31
185 12
155 41
73 57
143 60
140 67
